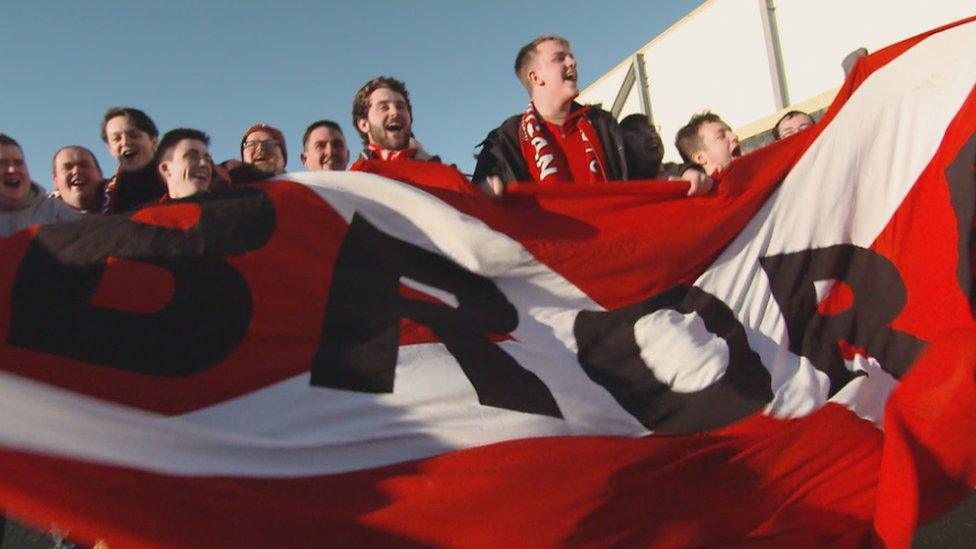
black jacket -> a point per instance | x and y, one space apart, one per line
131 190
501 152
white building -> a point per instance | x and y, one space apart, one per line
750 61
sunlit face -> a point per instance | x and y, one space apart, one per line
553 72
719 146
263 149
77 179
387 123
794 124
325 150
16 183
188 170
132 147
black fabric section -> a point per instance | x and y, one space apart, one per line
672 169
361 330
204 321
137 188
961 176
609 354
248 173
879 296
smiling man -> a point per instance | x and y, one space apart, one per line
263 147
78 179
185 163
324 147
556 140
24 203
383 116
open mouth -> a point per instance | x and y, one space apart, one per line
394 127
571 76
129 153
11 183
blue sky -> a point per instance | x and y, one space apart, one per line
221 66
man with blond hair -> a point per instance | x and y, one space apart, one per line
556 140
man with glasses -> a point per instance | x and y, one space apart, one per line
791 123
263 154
264 148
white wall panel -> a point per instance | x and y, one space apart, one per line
816 35
716 58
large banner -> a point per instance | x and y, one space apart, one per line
388 357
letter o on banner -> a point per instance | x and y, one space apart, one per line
612 357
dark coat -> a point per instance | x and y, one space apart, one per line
501 151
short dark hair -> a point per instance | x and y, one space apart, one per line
316 125
360 102
634 121
140 119
687 140
527 54
169 141
785 117
54 166
7 140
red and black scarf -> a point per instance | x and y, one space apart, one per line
386 154
537 148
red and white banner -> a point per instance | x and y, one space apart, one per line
389 357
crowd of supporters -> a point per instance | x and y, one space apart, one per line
554 140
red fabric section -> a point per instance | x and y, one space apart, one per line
840 299
390 155
134 287
577 152
767 482
176 216
922 240
602 228
930 438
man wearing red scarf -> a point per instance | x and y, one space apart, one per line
557 140
383 117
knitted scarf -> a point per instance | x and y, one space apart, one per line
537 149
387 154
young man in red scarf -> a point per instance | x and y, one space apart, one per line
557 140
382 115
